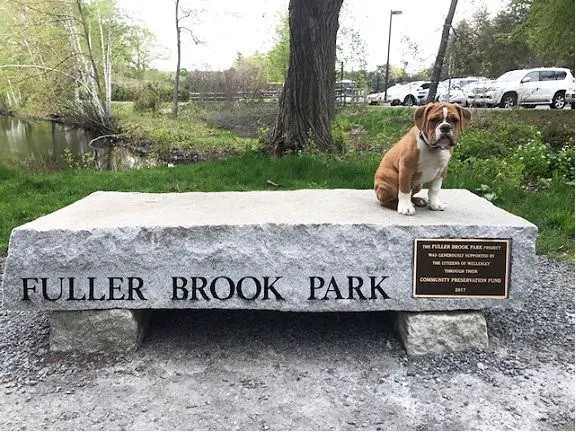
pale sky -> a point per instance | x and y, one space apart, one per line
247 26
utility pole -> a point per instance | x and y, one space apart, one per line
392 12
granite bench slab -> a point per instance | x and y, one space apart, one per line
303 250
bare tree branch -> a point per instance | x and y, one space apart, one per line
104 136
194 38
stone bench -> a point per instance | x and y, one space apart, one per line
104 260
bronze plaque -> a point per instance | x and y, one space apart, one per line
462 268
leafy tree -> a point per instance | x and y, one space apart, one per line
279 55
135 51
509 49
411 54
59 54
252 73
350 49
491 46
549 29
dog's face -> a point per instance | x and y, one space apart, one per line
441 123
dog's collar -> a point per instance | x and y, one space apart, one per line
423 138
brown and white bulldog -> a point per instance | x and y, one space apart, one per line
421 156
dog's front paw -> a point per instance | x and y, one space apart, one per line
437 205
406 209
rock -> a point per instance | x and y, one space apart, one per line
97 331
305 250
441 332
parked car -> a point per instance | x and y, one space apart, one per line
526 87
406 94
398 94
374 98
569 96
454 90
346 85
378 97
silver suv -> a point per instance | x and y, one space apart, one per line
528 88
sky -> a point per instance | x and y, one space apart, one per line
228 27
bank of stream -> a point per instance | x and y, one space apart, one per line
37 144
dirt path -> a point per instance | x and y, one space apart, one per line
262 370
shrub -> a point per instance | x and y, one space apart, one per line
147 98
562 164
500 174
122 93
479 144
535 157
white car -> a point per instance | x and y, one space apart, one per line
374 98
395 95
526 87
570 94
406 94
455 90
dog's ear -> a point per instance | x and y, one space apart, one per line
420 115
465 116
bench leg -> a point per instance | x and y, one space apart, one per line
441 332
118 330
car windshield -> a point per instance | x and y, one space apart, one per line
512 76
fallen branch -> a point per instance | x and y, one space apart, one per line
270 182
104 136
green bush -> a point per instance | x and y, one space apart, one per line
479 144
122 93
500 173
147 98
535 158
562 164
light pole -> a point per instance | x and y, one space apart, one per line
392 12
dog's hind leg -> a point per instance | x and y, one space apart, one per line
386 189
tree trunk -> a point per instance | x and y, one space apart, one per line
307 103
177 78
95 73
109 72
441 52
106 51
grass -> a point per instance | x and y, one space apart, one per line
187 136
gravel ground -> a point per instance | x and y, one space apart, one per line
263 370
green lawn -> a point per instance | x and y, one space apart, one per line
189 134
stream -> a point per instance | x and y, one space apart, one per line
40 144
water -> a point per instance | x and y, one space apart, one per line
42 143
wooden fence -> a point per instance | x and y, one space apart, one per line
263 96
350 97
343 96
